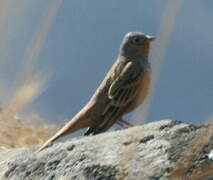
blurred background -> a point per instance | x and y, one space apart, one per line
81 43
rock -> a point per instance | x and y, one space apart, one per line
160 150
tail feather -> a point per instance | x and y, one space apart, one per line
73 125
49 141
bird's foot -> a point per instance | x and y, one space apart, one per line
124 124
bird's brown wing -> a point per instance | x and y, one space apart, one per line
123 89
121 92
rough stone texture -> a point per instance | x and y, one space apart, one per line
148 152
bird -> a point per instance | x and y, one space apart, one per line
123 89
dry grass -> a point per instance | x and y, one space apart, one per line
27 131
24 131
22 135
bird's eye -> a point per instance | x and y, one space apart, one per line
136 40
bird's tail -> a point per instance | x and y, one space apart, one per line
110 116
78 122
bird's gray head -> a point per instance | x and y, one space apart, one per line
136 45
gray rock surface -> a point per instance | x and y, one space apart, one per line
148 152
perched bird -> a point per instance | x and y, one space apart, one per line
124 88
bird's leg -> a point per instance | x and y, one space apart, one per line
124 124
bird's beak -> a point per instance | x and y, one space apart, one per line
150 38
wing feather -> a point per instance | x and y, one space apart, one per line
125 86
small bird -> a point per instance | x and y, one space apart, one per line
123 89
